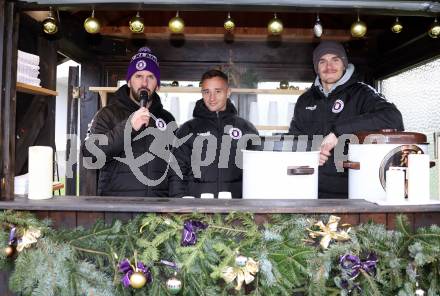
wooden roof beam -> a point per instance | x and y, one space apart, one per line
215 33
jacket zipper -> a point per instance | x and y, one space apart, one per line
220 135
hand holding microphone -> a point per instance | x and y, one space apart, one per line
142 116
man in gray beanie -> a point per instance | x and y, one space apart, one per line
337 104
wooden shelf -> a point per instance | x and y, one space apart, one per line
169 89
103 91
35 90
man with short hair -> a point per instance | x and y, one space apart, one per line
116 177
337 104
208 159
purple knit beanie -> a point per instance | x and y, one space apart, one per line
326 47
144 60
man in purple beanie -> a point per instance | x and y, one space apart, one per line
134 110
337 104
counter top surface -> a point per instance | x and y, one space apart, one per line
179 205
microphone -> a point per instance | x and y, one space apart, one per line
143 96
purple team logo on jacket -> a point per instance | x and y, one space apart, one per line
235 133
338 106
161 124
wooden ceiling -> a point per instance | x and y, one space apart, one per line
249 24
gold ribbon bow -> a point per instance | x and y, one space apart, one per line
329 232
242 274
29 237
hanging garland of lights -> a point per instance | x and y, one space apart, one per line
194 254
275 26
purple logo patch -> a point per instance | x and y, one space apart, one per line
235 133
140 65
338 106
161 124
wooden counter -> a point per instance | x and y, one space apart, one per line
71 211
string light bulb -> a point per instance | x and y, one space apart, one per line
358 28
136 24
50 25
434 31
397 26
275 26
317 28
91 24
176 24
229 24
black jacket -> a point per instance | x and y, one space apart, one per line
217 172
115 177
351 107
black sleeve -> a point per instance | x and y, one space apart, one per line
181 159
103 124
375 113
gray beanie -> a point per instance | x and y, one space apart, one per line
326 47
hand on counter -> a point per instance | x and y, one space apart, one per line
328 143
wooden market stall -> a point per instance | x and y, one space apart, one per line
27 113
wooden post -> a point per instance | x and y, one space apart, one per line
8 62
90 75
72 131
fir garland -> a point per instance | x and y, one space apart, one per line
85 262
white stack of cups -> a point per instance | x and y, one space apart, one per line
418 178
395 184
40 172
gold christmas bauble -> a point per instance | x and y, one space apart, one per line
229 24
397 26
137 280
9 251
176 25
358 29
275 26
136 24
434 31
174 285
92 25
50 26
